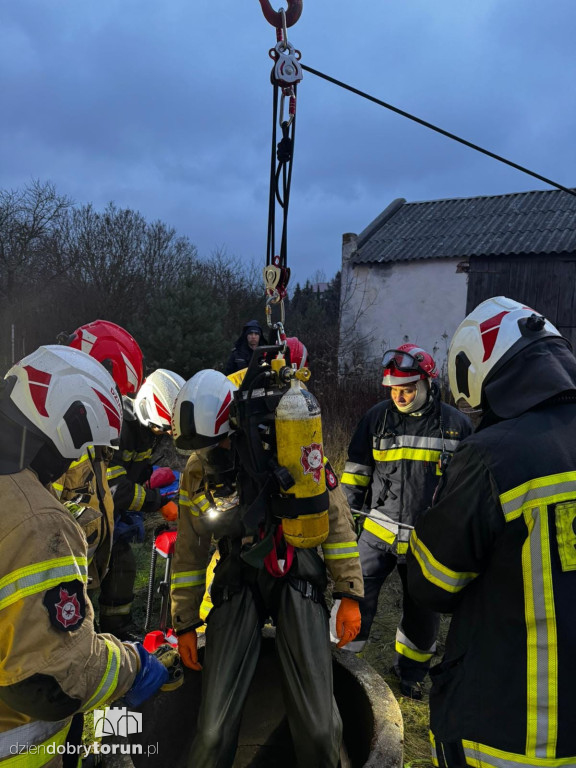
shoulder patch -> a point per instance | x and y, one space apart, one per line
66 605
331 479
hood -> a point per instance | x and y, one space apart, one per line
536 373
242 340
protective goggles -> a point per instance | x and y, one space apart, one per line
402 361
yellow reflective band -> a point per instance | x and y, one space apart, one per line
482 756
541 637
340 551
378 530
433 749
188 579
138 499
402 547
199 505
58 487
546 490
39 757
41 577
128 456
109 680
436 573
410 454
114 472
360 480
143 456
410 653
79 461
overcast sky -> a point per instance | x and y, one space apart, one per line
166 107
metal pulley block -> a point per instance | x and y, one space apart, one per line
287 70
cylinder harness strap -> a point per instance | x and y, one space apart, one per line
285 76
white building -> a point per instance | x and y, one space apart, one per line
415 271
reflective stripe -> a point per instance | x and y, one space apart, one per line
408 454
112 473
143 455
360 480
415 441
58 487
433 749
546 490
138 499
40 577
378 530
109 679
79 461
435 572
341 550
188 579
199 505
116 610
541 640
37 732
482 756
39 757
402 547
405 647
358 469
128 456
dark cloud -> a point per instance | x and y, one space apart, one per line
167 108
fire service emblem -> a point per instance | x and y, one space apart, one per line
66 605
312 460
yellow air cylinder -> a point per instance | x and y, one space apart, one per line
299 448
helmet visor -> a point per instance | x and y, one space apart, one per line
402 361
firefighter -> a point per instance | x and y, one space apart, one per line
84 488
497 548
394 463
289 588
53 404
146 419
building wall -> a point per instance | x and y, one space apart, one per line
385 305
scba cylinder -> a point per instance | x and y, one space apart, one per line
304 508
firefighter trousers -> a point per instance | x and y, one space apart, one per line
233 638
117 590
418 629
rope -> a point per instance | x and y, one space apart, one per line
433 127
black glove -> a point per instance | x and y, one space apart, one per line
153 500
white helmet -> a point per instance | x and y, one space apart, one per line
156 397
67 396
201 412
490 336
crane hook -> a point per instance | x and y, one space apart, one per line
275 17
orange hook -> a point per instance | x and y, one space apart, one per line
275 17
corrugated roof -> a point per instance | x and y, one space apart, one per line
501 225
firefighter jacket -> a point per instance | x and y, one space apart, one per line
84 491
131 466
192 549
504 692
393 465
52 663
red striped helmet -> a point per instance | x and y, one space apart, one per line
155 399
406 364
68 397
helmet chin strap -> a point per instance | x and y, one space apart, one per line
422 390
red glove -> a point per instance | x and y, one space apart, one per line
169 511
348 621
188 650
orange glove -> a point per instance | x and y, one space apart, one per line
348 621
188 650
169 511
